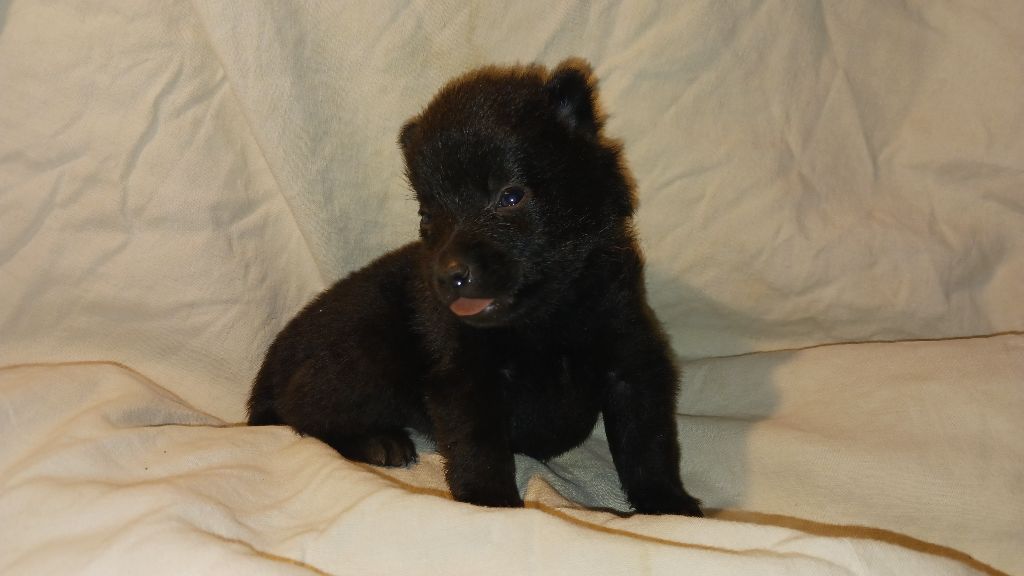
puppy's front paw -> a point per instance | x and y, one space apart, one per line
681 503
390 448
503 494
492 499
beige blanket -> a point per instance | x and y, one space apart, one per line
178 178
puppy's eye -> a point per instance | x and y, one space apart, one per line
511 196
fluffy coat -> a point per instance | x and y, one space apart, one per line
516 319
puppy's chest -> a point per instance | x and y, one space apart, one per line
543 372
551 402
526 373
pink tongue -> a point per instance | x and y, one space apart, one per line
469 306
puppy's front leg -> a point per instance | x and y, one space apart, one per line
639 417
469 427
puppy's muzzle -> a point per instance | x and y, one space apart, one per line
455 275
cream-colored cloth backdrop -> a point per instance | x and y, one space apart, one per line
178 178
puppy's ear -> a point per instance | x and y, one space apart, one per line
570 90
408 132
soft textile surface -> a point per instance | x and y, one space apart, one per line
178 178
109 471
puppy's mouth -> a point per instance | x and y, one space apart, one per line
484 312
497 310
468 307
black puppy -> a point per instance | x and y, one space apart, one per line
518 317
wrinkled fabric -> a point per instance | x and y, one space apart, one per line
108 472
178 179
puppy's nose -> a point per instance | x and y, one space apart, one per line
455 274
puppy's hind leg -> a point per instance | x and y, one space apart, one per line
261 411
356 409
390 447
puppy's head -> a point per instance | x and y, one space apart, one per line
517 187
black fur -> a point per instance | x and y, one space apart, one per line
523 201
